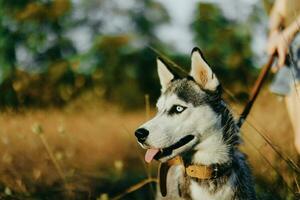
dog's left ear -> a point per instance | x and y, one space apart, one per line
165 75
202 73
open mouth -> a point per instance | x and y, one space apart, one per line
160 153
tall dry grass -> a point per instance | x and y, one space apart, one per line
92 152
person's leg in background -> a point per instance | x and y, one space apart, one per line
293 107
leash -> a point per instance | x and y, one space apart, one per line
256 89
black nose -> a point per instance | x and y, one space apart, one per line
141 134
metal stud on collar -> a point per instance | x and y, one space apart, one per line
215 170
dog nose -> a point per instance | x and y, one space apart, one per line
141 134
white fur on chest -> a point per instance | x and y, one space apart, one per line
211 150
202 193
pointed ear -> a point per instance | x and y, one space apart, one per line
165 75
201 72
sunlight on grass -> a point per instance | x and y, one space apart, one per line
82 153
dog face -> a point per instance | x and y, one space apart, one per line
184 111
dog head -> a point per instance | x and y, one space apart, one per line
185 111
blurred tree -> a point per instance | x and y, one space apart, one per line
32 40
227 46
51 49
125 60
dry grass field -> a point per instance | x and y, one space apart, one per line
87 150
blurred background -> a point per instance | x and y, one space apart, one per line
77 77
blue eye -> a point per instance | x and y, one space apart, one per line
179 109
176 109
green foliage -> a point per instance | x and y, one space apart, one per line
227 46
42 65
51 70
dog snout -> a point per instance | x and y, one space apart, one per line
141 134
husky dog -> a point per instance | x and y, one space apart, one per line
193 122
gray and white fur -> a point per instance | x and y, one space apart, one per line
193 106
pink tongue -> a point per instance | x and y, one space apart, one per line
150 154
